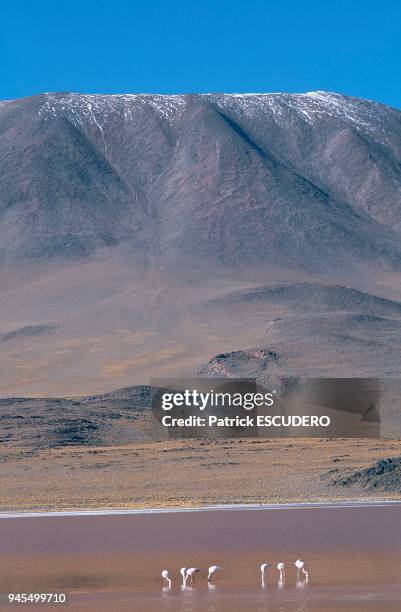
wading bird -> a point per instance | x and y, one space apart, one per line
264 567
281 569
213 569
300 565
166 578
183 572
191 571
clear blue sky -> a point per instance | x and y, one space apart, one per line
172 46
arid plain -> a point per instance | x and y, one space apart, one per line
189 473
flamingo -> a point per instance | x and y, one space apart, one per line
191 571
300 565
281 569
166 578
183 572
264 567
213 569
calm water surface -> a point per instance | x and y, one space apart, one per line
114 562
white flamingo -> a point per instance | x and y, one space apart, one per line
191 571
213 569
281 569
183 572
264 567
300 565
166 578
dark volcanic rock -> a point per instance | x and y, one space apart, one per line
112 418
385 475
253 362
28 331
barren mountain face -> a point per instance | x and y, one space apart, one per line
143 235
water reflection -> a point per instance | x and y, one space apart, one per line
300 584
355 579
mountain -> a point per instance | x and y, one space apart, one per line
309 179
140 235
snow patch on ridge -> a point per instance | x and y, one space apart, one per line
311 108
92 109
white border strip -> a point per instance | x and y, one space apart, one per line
378 503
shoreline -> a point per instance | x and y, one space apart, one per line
330 504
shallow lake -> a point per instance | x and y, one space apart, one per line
114 562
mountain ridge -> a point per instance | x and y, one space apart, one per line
160 167
124 219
